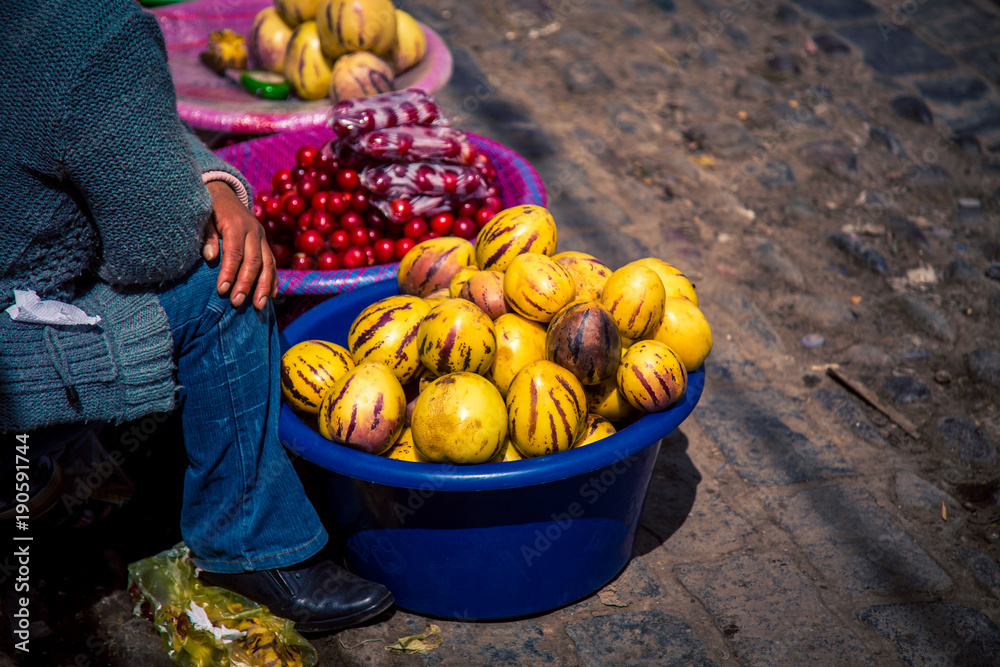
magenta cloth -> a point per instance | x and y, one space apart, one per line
210 102
258 159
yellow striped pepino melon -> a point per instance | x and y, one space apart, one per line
651 376
589 273
308 370
485 289
430 265
308 71
456 336
404 449
364 410
346 26
386 331
458 281
584 339
685 330
359 74
546 408
459 418
597 428
675 283
520 341
607 400
634 296
512 232
268 40
537 287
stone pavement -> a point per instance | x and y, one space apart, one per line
787 522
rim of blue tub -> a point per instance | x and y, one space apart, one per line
301 439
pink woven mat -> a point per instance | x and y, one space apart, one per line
210 102
258 159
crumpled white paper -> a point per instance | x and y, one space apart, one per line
29 307
199 619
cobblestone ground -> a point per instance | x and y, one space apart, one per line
823 170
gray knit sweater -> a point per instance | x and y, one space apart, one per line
101 202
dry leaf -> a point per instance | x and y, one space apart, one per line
428 640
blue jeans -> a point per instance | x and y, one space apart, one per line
244 506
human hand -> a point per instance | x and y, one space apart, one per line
246 257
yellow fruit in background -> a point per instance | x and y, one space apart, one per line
456 335
346 26
547 409
308 370
359 74
520 341
306 68
404 449
537 287
607 400
589 273
410 43
459 418
459 279
651 376
597 428
510 452
386 332
296 12
365 409
268 40
675 283
430 265
634 296
512 232
685 330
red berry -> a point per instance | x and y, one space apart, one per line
279 177
354 258
369 255
285 186
325 163
270 228
328 261
298 173
403 246
359 201
339 240
302 222
323 180
493 203
282 254
272 208
483 216
375 219
318 200
347 180
322 222
310 242
400 210
336 203
358 236
428 236
467 209
306 156
441 223
373 234
464 227
293 203
385 251
264 197
415 228
302 262
351 220
449 181
286 223
258 212
307 187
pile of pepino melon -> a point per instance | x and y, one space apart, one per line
502 351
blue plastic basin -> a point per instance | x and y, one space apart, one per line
490 541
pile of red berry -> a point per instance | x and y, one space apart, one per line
317 215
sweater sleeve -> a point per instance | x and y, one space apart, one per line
132 160
210 163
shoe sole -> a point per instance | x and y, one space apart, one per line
346 621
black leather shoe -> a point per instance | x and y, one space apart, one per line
317 597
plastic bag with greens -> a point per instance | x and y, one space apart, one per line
207 626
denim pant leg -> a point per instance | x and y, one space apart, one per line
244 506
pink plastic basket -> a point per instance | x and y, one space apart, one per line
258 159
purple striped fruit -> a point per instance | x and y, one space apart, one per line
359 74
364 410
485 289
607 400
588 272
268 41
458 281
308 370
456 336
306 68
546 409
386 331
520 341
537 287
597 428
651 376
404 449
459 418
675 283
512 232
356 25
430 265
634 296
584 339
295 12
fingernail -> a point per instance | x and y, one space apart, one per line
224 287
261 301
238 299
